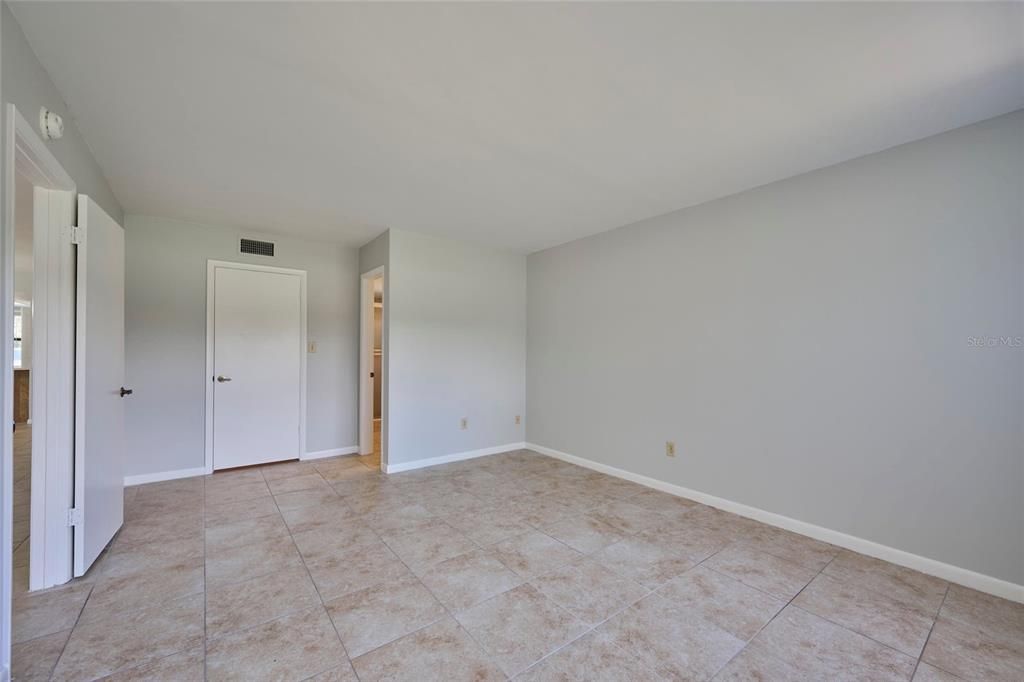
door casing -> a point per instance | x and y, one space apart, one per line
50 563
211 271
53 352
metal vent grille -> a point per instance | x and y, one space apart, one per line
256 247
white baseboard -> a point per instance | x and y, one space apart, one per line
202 471
454 457
164 476
320 454
954 574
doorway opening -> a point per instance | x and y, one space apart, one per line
39 363
46 501
372 370
21 366
376 373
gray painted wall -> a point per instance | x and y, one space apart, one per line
165 329
27 86
374 254
455 318
808 345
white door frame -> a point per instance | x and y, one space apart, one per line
366 364
53 302
211 271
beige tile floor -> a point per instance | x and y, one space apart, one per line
514 565
22 483
22 469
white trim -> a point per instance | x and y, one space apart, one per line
26 153
7 403
141 479
53 388
33 159
955 574
336 452
454 457
53 343
211 271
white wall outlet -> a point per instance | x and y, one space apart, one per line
670 448
312 346
519 420
464 423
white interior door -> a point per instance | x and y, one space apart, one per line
99 383
258 338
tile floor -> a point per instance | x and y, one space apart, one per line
22 472
22 483
514 565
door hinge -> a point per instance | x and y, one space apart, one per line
74 517
77 234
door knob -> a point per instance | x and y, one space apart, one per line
125 391
221 379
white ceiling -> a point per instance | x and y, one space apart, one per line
515 125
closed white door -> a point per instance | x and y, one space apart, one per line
99 383
257 366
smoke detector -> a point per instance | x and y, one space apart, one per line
50 124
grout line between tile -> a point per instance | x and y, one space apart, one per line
867 587
589 628
627 607
770 620
309 575
78 618
847 628
444 606
935 620
860 634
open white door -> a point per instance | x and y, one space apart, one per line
99 383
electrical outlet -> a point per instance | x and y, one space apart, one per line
519 420
463 423
312 346
670 448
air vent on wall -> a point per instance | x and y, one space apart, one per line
257 247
